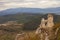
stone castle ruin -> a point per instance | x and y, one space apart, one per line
45 30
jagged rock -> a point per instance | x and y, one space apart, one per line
46 29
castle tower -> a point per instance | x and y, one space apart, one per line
50 22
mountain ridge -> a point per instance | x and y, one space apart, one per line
30 10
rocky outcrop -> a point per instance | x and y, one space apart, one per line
45 30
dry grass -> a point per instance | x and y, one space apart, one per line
32 36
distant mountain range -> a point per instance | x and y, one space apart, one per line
30 10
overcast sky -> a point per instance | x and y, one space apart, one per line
6 4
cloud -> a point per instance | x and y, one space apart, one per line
5 4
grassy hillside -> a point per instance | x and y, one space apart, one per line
19 17
30 21
25 17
